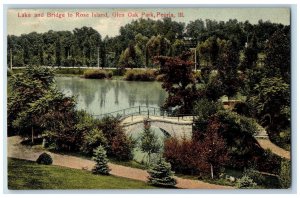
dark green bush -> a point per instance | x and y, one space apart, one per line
92 140
44 158
245 182
96 74
140 75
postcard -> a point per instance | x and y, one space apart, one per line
148 98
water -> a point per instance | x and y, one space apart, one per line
104 96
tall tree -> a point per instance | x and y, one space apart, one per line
278 56
179 82
149 141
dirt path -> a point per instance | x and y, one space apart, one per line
267 144
16 150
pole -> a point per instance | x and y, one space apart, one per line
196 58
98 57
10 59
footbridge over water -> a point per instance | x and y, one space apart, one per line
175 125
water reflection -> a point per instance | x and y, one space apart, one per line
103 96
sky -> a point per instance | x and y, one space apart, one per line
111 20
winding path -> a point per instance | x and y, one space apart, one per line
267 144
16 150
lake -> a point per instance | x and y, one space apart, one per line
104 96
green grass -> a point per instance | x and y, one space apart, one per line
27 175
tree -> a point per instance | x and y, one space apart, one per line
250 54
215 152
101 160
27 88
278 56
178 47
227 65
179 82
161 174
149 141
157 46
270 102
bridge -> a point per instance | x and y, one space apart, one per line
172 124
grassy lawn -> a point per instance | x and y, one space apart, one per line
27 175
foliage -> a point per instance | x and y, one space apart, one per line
214 148
149 141
28 87
101 160
250 54
202 157
184 156
80 46
161 175
270 101
285 175
92 140
179 82
245 182
278 56
122 147
237 132
119 145
140 75
178 47
132 57
97 74
157 46
44 158
227 64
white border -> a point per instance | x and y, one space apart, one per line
295 81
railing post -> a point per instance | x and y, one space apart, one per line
140 110
154 111
132 118
148 113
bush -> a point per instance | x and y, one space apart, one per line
96 74
119 145
92 140
122 147
101 160
245 182
285 174
161 174
140 75
44 158
160 77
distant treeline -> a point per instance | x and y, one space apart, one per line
136 45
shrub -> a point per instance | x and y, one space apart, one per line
91 140
140 75
160 77
96 74
44 158
101 160
245 182
119 145
285 174
161 174
122 147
